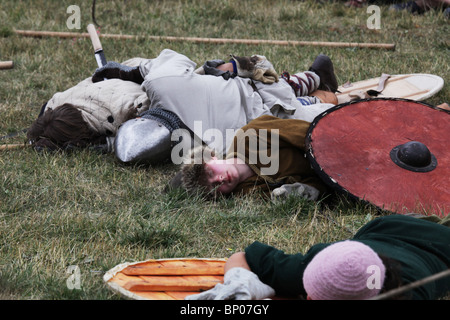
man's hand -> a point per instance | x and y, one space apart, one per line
296 189
255 67
216 68
115 70
239 284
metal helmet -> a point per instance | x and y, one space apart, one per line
142 140
147 139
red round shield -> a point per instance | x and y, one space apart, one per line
393 153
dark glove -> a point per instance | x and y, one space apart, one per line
210 67
114 70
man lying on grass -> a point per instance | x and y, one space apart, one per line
220 95
267 155
386 253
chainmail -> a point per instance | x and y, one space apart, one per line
167 118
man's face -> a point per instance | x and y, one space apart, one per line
221 175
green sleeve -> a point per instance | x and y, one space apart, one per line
283 272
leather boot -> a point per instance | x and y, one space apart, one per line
323 67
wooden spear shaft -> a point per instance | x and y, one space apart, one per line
413 285
6 64
388 46
14 146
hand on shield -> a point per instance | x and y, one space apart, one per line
239 284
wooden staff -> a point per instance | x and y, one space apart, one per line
410 286
6 64
4 147
388 46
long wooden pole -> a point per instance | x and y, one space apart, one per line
6 64
388 46
14 146
412 285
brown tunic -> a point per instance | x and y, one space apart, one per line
290 154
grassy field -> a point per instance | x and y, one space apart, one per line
87 210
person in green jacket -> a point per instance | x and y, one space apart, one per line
388 252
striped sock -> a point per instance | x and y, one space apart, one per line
303 83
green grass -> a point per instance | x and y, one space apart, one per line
87 210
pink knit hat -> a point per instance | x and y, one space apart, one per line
346 270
